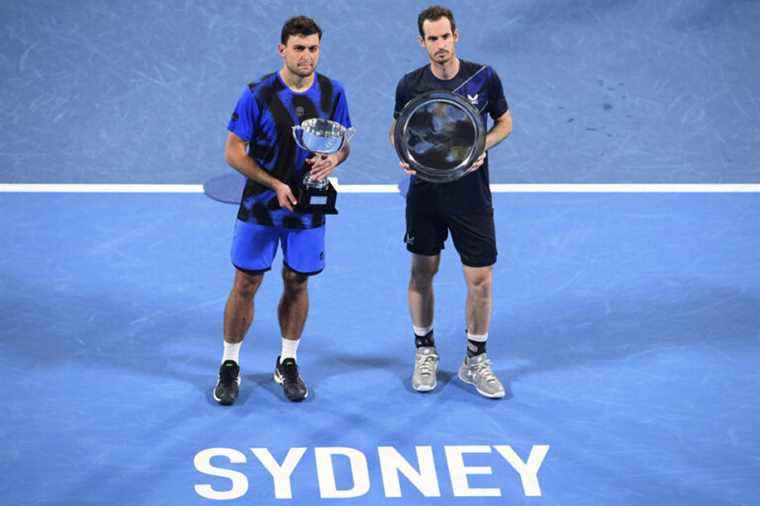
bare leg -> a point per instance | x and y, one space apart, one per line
294 304
238 313
479 298
476 368
421 296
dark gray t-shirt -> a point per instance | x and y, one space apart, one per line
482 87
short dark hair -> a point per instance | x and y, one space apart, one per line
299 25
434 13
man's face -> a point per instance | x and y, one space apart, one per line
300 54
439 40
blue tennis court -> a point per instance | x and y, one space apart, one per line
625 325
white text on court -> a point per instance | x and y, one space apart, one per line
420 473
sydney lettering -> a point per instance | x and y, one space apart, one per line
418 470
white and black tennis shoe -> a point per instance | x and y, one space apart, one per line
286 374
228 384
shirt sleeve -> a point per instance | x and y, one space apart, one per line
497 102
340 114
245 117
402 97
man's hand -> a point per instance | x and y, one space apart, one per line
407 169
285 196
477 163
322 165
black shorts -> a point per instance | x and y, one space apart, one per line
473 234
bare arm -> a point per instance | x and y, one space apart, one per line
391 138
501 129
236 155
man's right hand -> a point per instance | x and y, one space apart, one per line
407 169
285 196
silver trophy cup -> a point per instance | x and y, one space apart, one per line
322 137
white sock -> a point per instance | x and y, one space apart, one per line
421 331
478 337
232 351
289 349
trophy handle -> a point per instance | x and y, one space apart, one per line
349 133
298 136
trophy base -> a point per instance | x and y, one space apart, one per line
317 200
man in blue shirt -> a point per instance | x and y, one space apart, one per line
260 145
462 207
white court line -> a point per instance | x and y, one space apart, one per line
392 188
101 188
625 188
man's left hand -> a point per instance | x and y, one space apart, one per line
322 165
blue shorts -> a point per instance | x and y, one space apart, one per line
254 247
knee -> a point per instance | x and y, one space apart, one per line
245 285
422 276
294 282
480 286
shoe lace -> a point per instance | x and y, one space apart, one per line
484 372
290 370
228 375
425 364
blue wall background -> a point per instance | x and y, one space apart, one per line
601 90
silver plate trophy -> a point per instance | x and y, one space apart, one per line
322 137
439 134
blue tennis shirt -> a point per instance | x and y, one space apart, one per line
264 117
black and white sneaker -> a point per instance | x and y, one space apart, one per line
286 374
228 385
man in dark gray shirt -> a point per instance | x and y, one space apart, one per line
463 207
